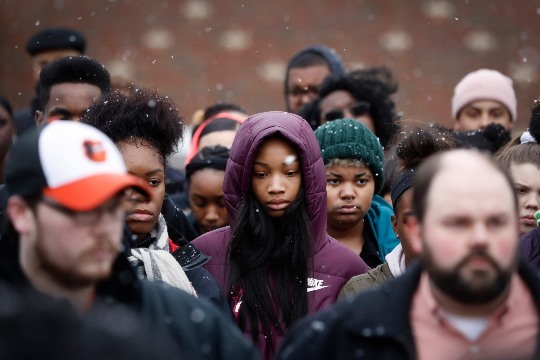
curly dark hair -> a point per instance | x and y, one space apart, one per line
417 140
142 113
373 85
72 69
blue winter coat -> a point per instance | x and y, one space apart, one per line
379 219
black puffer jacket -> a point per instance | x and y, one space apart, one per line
192 259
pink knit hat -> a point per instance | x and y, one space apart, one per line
484 84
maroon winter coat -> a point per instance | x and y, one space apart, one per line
333 263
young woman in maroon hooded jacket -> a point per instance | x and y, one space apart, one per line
276 262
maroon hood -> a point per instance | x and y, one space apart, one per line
332 264
297 131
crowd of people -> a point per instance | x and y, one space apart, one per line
336 229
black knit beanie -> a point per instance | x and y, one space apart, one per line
214 157
350 139
56 38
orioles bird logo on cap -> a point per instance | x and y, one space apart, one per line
94 150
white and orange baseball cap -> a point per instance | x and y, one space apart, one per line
72 163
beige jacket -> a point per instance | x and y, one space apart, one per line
370 280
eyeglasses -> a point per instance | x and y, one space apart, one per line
113 208
311 91
359 109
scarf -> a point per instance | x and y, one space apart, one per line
156 263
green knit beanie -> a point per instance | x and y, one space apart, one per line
350 139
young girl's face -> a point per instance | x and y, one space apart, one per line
143 160
349 191
205 197
527 184
404 211
276 177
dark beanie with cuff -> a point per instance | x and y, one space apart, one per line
350 139
54 39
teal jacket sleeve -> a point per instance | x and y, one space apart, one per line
379 218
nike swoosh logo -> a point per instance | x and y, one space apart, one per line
314 288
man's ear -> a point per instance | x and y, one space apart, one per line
394 223
20 214
414 230
39 117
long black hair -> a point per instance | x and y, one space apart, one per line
269 264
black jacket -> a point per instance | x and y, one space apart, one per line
192 259
36 326
373 325
196 328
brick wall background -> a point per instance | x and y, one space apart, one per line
202 51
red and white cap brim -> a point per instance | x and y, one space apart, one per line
82 166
